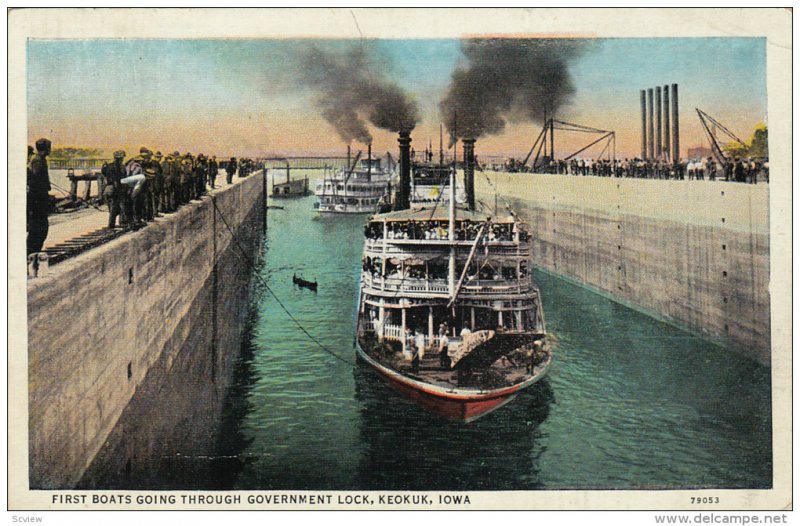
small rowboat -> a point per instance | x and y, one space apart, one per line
300 282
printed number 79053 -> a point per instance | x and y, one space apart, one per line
705 500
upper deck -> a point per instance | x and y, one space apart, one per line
364 171
430 184
424 233
430 173
406 251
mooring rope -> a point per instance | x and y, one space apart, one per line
252 267
506 203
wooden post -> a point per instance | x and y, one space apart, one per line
87 192
101 186
264 200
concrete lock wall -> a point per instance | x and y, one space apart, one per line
694 253
102 324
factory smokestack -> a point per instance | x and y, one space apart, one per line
643 97
650 129
667 129
676 149
402 201
658 122
469 171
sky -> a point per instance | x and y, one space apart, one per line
244 97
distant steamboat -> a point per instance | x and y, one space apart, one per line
449 314
360 188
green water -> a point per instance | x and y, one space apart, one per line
629 403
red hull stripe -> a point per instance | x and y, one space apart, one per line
443 392
450 409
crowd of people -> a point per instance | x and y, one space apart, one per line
740 170
150 184
136 190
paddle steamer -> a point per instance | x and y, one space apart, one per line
360 188
449 313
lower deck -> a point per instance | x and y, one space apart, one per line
432 364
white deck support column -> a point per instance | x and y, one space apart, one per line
499 318
451 236
519 320
381 318
430 323
383 254
472 319
403 325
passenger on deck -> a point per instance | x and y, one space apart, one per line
444 358
415 356
419 341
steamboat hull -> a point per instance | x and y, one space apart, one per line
290 195
351 211
454 404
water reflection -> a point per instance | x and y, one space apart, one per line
175 432
408 448
230 459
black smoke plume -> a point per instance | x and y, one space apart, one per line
350 87
508 79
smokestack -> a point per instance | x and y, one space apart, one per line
676 149
404 190
643 97
552 142
369 162
667 130
348 156
469 171
650 124
658 122
441 147
546 131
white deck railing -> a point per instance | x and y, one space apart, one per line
396 247
394 332
439 286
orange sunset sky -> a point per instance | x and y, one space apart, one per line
244 97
